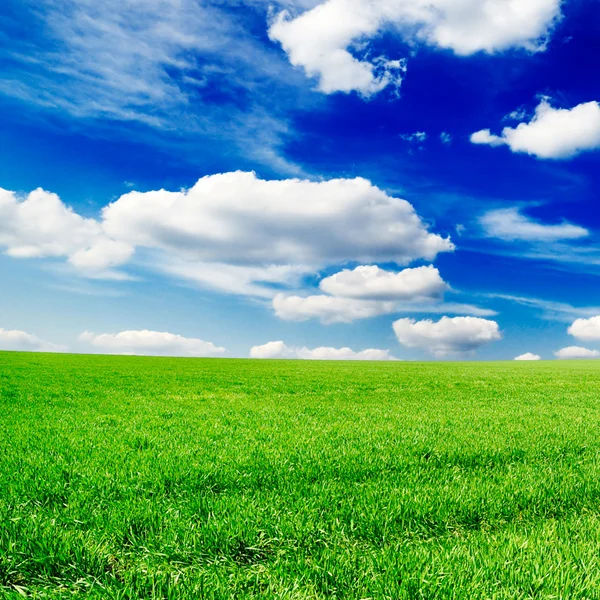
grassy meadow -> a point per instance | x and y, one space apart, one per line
127 477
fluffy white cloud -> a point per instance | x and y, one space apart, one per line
272 350
150 343
41 225
586 329
529 356
281 350
329 309
237 218
373 283
576 352
23 341
447 336
329 41
485 136
553 133
510 224
231 231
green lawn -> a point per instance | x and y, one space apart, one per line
124 477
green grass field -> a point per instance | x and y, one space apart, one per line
124 477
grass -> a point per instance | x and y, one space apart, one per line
125 477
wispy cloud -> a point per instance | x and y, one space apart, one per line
549 309
510 224
509 232
175 66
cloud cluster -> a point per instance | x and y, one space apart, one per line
447 336
510 224
26 342
529 356
552 133
576 352
150 343
369 291
330 41
281 350
231 231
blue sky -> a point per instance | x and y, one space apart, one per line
301 178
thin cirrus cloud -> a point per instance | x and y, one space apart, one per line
552 133
280 350
510 224
551 310
575 353
330 41
14 339
447 336
155 63
528 356
150 343
266 232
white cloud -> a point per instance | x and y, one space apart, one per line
510 224
516 115
335 309
529 356
373 283
330 41
418 136
281 350
485 137
447 336
329 309
553 133
272 350
576 352
41 225
26 342
231 231
586 329
238 218
446 138
150 343
369 291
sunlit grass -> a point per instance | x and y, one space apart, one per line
126 477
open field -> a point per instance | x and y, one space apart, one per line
124 477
